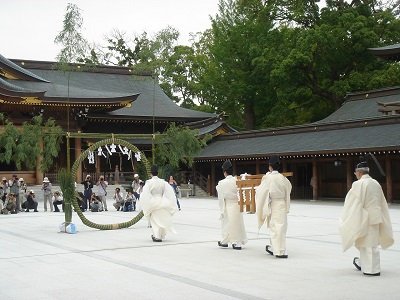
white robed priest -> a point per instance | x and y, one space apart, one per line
158 202
365 220
233 230
273 204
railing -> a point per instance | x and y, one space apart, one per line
201 181
28 176
53 177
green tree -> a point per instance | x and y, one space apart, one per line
285 62
74 48
178 76
270 63
142 53
178 145
331 58
21 144
239 37
204 73
52 137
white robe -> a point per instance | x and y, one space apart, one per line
158 202
273 186
232 223
365 205
272 207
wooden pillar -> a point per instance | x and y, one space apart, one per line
349 173
97 168
193 168
389 186
315 178
258 171
39 174
212 183
78 151
284 165
234 167
209 185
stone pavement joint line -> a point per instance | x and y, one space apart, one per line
188 265
169 276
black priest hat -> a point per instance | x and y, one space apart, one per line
363 164
226 165
154 169
274 160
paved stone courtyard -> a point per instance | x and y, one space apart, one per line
39 262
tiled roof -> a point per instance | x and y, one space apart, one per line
214 125
81 85
356 125
10 89
324 141
107 84
21 72
391 50
213 128
360 106
163 106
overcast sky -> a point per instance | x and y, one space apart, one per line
28 27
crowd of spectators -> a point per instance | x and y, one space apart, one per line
15 196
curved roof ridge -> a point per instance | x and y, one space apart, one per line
372 93
13 90
210 120
393 46
19 71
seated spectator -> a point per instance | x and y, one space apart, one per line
130 202
80 198
10 204
95 203
30 202
57 199
119 199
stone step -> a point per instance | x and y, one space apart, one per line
198 192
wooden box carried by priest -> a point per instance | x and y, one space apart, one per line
247 185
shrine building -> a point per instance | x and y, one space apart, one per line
324 152
103 99
109 99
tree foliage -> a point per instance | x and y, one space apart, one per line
243 36
74 45
21 145
179 145
269 63
287 62
74 49
142 53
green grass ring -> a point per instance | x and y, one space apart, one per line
75 167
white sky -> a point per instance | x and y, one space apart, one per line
28 27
